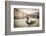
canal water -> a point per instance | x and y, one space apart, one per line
22 22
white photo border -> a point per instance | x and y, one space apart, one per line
25 28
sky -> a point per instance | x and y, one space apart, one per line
28 11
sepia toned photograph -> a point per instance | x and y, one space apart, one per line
26 17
